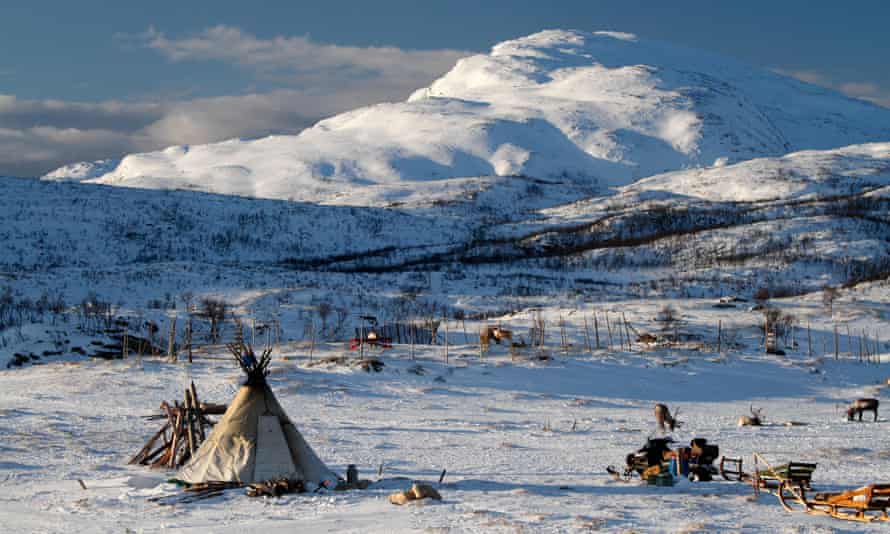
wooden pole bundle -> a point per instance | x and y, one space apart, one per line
185 423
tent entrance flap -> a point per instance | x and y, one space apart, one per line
273 456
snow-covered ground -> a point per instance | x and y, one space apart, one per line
525 442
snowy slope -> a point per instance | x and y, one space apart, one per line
85 170
598 109
807 174
791 224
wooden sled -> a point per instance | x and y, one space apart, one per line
865 504
731 469
797 474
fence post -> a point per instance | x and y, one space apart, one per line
445 319
836 343
596 330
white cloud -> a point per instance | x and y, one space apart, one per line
304 60
319 80
864 90
39 135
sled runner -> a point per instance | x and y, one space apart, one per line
865 504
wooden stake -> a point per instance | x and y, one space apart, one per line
445 319
142 454
481 345
177 428
188 337
199 415
189 423
809 340
587 336
836 343
609 328
312 341
627 332
719 335
596 330
171 341
361 341
792 336
860 349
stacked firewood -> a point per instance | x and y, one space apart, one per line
275 487
185 428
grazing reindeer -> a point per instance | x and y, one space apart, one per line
663 415
862 405
755 419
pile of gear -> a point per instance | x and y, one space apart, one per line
658 464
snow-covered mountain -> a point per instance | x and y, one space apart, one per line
596 109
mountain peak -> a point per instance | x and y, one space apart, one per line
595 109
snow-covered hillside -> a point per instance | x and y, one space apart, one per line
789 225
595 109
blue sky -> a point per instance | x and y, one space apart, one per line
90 79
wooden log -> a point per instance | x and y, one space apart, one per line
189 422
199 411
177 432
140 456
205 408
154 454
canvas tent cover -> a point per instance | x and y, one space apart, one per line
253 442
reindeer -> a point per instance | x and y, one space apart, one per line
663 415
862 405
496 333
755 419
